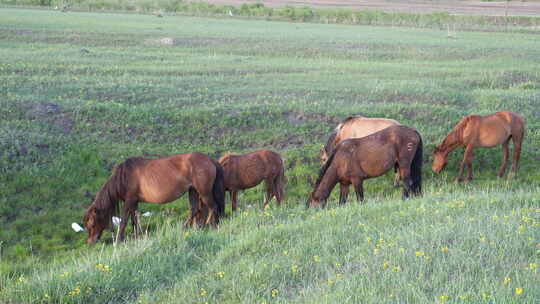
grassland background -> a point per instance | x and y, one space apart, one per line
80 92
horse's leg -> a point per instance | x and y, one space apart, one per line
269 192
275 190
135 215
129 207
467 159
193 207
505 158
344 193
405 175
207 201
359 189
517 139
234 197
396 175
469 164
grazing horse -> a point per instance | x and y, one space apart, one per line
355 160
158 181
356 127
475 131
248 170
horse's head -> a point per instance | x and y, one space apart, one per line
440 159
313 202
95 221
324 155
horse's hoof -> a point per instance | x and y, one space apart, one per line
457 181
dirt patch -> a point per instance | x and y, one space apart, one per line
51 114
189 41
501 8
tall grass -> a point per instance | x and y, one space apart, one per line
452 247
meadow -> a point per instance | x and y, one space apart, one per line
80 92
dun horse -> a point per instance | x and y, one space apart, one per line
356 127
248 170
158 181
355 160
475 131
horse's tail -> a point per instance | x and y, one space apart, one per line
280 182
218 189
416 168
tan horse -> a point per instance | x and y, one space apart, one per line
248 170
476 131
356 127
158 181
357 159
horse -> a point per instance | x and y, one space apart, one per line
357 159
158 181
248 170
356 127
476 131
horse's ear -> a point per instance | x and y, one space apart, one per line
89 195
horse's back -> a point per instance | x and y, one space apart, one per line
377 153
248 170
363 126
164 179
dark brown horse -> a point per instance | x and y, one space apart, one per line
356 127
248 170
355 160
475 131
158 181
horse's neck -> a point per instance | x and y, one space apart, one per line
106 197
326 185
452 141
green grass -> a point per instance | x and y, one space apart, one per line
460 245
80 92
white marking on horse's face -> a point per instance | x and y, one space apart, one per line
410 146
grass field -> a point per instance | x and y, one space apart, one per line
80 92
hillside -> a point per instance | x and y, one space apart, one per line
466 247
80 92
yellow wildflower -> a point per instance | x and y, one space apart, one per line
444 249
285 252
220 274
396 269
443 298
275 292
507 280
316 259
202 292
294 268
420 253
519 290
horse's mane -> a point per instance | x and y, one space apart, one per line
333 136
115 187
330 142
324 169
455 136
340 125
226 159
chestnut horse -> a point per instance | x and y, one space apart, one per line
355 160
476 131
356 127
158 181
248 170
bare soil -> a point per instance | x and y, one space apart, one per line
499 8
